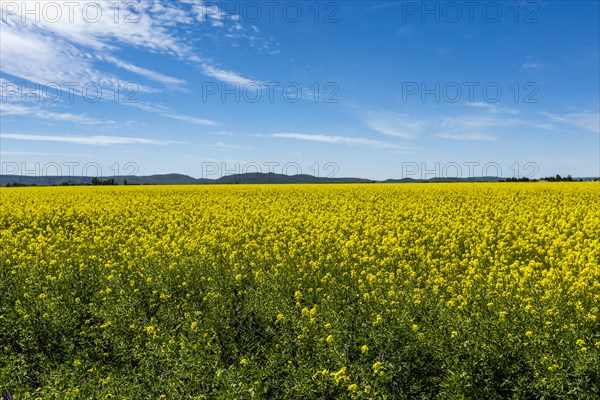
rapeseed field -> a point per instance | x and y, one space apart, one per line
408 291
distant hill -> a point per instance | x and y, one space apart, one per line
168 179
256 177
248 178
175 179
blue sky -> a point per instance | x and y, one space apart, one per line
374 89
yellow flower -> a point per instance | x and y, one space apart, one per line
353 388
378 368
244 362
340 375
329 339
280 317
364 348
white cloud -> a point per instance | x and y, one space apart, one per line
493 108
87 140
226 146
22 110
51 48
332 139
153 75
466 137
166 112
41 58
392 124
40 154
72 47
190 119
474 122
227 76
222 133
168 14
586 120
102 25
486 125
207 12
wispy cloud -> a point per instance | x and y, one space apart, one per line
466 137
167 112
40 154
65 50
586 120
474 122
73 49
222 133
36 112
482 126
153 75
226 146
227 76
168 13
393 124
334 139
15 105
493 108
482 123
207 12
86 140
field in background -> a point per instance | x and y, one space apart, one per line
301 291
